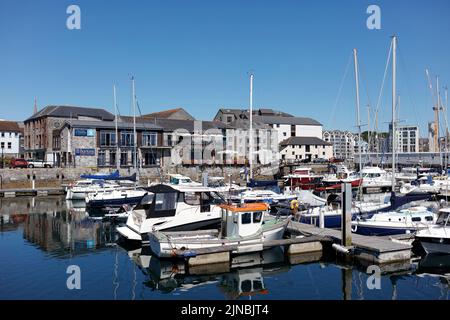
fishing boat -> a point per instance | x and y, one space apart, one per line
394 222
174 208
342 175
436 238
114 198
178 179
244 228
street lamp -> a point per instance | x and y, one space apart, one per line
3 159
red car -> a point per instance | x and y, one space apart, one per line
18 163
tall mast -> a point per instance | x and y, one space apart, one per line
358 120
368 128
394 133
251 127
117 129
134 126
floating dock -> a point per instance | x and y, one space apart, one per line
12 193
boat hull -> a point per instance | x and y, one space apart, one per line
165 246
114 202
435 245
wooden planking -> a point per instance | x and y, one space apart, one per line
376 244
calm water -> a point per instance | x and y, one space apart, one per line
40 238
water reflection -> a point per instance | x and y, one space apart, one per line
242 278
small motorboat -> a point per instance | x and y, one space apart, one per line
436 238
114 198
394 222
244 228
80 189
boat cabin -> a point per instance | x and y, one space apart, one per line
164 200
443 217
178 179
242 220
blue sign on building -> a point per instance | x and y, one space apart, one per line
85 152
84 132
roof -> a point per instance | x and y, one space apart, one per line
245 124
9 126
304 141
287 120
72 112
262 112
246 207
111 125
170 125
167 114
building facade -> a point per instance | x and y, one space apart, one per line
344 143
10 139
407 138
296 149
39 128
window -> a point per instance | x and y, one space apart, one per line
3 134
229 119
107 139
165 201
246 218
9 145
149 139
2 145
169 140
123 158
307 148
112 158
101 158
257 216
150 158
192 198
284 134
127 139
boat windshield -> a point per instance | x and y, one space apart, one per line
443 218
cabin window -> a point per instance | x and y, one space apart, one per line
428 218
257 285
192 198
416 219
257 216
165 201
246 286
246 218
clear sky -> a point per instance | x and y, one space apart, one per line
196 54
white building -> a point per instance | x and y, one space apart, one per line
295 149
10 137
407 139
344 143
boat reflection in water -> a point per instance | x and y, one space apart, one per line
243 277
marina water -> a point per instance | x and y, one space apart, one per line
41 238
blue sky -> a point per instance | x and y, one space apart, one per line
196 54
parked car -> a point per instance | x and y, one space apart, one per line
39 164
18 163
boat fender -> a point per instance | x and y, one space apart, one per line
189 254
340 248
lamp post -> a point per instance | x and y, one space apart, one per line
3 159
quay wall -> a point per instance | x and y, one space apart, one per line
56 177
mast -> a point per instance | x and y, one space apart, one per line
117 129
394 133
134 126
358 120
251 127
368 128
438 108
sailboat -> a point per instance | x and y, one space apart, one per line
395 222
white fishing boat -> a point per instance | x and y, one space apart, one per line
244 227
436 238
175 208
114 198
394 222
